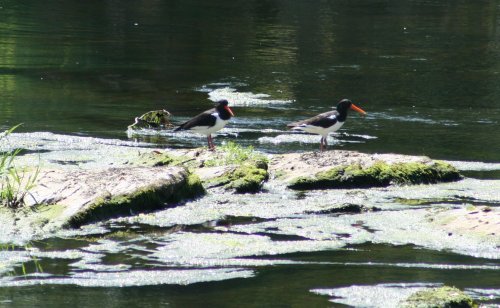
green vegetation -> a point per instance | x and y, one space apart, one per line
231 153
156 159
379 174
15 183
448 297
248 175
246 178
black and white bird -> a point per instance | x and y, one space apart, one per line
327 122
210 121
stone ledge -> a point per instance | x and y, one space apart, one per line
89 196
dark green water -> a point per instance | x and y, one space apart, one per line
427 72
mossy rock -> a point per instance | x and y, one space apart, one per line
149 198
443 297
247 172
380 174
162 159
156 119
246 178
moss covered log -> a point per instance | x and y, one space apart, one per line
446 297
379 174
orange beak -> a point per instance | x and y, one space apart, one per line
229 110
356 108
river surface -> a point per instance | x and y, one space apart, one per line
426 72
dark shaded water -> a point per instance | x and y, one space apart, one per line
427 72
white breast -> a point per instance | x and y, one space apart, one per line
208 130
319 130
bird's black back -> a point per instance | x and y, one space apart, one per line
203 119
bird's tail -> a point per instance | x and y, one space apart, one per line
296 127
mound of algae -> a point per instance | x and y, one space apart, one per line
246 170
379 174
246 178
443 297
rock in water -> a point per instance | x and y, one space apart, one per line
84 196
448 297
156 119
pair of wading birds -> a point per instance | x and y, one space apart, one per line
210 121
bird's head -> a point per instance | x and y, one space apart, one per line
346 104
224 105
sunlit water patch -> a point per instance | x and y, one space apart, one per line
207 88
475 165
309 138
230 245
244 99
132 278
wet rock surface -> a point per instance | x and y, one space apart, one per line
84 196
347 169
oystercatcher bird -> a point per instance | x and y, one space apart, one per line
210 121
327 122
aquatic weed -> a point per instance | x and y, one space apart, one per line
15 184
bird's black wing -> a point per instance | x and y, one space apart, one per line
325 119
203 119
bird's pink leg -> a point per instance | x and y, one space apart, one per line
211 145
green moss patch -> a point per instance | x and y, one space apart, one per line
149 198
248 175
448 297
379 174
234 154
247 178
156 159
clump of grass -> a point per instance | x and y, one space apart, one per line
231 153
15 184
248 172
